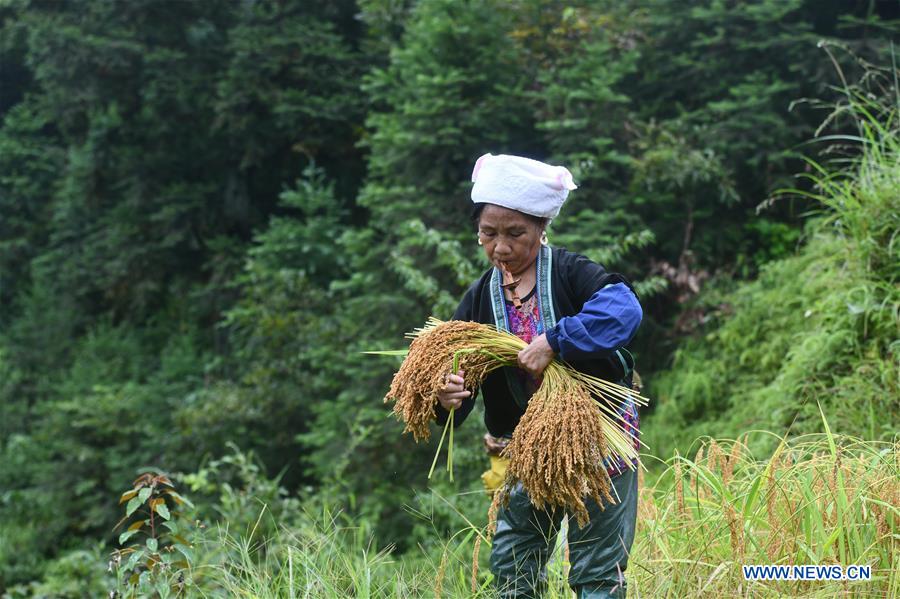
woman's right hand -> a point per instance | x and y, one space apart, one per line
453 393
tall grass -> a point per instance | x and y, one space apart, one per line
320 555
820 499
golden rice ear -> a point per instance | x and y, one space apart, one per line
475 553
679 488
501 497
439 579
559 448
415 386
714 457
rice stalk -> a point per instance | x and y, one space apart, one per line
439 580
731 461
775 529
558 449
714 457
475 552
679 489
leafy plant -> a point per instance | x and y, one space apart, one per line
158 561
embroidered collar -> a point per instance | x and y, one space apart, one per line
542 289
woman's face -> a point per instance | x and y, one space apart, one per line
509 236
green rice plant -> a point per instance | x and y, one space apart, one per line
820 499
324 555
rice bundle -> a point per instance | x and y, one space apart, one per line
431 356
557 450
560 444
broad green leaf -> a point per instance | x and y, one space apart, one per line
178 498
152 544
144 494
162 587
133 560
162 510
144 582
134 504
750 502
127 535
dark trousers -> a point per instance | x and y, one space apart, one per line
598 553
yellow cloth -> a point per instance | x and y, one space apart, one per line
493 478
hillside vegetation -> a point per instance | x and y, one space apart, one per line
210 209
820 328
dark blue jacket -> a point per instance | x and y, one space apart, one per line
598 312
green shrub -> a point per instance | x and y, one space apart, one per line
820 326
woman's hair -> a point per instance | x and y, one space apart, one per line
540 221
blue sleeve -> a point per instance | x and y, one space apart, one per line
608 321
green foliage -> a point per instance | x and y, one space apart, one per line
820 326
819 499
73 575
324 555
236 490
29 160
110 413
158 560
136 160
424 134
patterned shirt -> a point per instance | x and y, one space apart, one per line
526 324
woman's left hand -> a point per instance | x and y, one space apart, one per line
535 358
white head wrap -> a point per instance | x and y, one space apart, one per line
521 184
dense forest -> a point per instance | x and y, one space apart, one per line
210 210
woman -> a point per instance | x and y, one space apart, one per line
562 305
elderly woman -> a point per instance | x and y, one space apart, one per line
562 305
